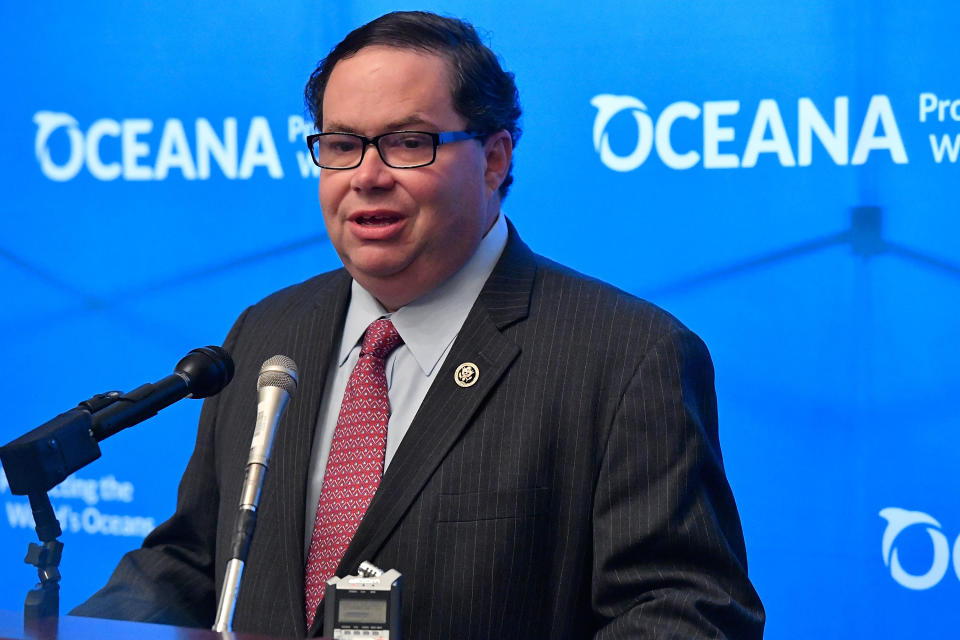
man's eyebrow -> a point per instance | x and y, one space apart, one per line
331 127
413 120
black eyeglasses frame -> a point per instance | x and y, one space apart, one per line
443 137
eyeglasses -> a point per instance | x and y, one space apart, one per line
397 149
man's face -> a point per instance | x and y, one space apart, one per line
402 232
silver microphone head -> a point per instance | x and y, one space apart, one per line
278 371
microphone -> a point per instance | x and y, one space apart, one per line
41 459
201 373
275 386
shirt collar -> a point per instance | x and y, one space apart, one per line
430 323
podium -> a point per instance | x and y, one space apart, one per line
77 628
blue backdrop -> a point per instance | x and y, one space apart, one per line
781 176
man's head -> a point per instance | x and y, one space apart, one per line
482 91
401 232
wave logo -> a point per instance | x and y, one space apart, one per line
608 106
47 122
768 133
897 521
112 149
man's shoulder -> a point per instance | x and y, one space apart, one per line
587 299
569 299
309 293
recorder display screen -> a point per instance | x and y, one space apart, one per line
362 611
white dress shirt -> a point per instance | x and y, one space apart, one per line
428 326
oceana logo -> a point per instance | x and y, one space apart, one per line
768 134
132 158
897 521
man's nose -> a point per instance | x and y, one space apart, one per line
372 173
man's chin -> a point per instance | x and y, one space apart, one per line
377 270
394 285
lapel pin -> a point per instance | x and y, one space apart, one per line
466 374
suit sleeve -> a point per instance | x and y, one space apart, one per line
170 579
669 557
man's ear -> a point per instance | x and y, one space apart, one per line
498 152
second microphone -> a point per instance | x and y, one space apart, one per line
275 386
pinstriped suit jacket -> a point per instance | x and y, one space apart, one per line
576 490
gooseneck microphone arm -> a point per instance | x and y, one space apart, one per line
275 386
41 459
137 405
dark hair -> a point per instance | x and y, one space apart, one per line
482 91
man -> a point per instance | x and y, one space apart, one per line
548 464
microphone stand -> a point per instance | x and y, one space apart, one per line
43 601
45 457
41 459
44 453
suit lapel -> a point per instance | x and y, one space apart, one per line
312 340
447 408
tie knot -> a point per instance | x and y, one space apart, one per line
380 339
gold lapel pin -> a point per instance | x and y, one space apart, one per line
466 374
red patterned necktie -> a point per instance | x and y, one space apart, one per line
355 463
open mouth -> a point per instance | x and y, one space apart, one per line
377 220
